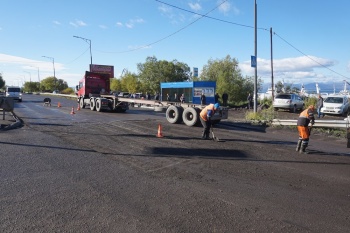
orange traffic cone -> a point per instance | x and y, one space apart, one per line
159 135
78 108
58 105
72 112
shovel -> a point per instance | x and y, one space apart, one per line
213 136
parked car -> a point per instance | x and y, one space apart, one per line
290 101
336 104
124 94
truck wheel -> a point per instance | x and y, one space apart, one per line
98 105
174 114
81 103
190 116
92 105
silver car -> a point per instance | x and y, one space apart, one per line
290 101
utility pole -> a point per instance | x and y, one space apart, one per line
89 42
256 57
272 84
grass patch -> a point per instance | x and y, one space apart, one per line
264 115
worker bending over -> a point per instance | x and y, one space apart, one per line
205 118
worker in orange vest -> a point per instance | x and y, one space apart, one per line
304 119
205 118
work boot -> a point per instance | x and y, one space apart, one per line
203 136
207 135
303 151
298 145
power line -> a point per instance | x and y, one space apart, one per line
224 21
181 29
309 56
242 25
206 16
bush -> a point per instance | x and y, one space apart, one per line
310 101
68 91
265 115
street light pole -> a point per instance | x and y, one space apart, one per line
87 41
53 64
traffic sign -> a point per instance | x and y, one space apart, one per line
252 61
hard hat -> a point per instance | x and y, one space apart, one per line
216 106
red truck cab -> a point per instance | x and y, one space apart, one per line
93 84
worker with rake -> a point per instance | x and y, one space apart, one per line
304 130
205 118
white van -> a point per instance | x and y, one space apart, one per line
14 92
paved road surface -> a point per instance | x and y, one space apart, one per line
108 172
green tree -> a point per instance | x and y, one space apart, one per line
115 84
31 87
2 82
130 83
153 72
228 79
52 83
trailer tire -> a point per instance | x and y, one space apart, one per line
190 116
98 105
81 103
174 114
92 105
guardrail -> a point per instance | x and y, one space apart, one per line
318 123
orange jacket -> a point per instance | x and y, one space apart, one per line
208 109
305 117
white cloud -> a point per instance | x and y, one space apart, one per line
165 9
195 6
131 23
56 22
103 26
224 7
17 68
297 69
78 23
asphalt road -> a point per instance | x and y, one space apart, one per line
108 172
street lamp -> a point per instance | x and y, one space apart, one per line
53 64
87 41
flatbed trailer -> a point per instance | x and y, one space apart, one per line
175 112
94 86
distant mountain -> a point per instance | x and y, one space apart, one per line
311 87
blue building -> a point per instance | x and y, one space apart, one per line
191 90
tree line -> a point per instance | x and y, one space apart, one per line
153 72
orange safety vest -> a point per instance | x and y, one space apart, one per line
204 112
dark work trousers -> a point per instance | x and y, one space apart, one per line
206 127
